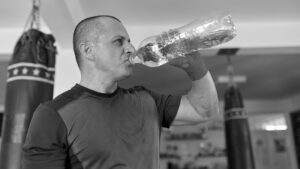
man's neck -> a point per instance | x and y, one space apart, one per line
99 84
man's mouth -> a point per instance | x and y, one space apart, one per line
127 61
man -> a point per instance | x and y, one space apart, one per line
98 125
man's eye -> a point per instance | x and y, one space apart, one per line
119 42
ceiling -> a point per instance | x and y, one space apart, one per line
270 61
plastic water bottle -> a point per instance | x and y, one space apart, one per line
199 34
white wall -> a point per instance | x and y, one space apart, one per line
66 71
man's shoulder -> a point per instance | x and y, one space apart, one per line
62 99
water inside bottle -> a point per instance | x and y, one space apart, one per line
158 50
149 55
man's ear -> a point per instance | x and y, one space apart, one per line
86 50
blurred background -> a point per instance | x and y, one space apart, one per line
265 56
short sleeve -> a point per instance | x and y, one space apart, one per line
167 106
46 141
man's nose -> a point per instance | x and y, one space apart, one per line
129 48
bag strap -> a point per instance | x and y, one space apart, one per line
33 20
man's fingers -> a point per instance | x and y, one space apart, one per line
192 63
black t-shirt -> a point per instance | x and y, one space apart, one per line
82 128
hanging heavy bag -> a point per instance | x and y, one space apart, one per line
238 141
30 82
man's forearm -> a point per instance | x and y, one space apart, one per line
201 102
203 97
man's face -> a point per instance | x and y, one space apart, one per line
113 50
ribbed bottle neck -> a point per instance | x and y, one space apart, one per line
134 59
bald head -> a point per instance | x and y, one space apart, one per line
88 30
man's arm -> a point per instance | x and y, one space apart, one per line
201 102
45 145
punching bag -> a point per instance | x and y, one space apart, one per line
30 80
238 141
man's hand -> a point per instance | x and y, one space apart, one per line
192 64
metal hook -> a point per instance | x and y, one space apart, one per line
36 3
35 13
230 71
